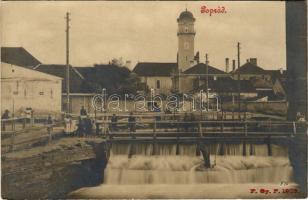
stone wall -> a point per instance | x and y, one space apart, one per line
54 173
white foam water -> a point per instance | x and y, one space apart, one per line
138 171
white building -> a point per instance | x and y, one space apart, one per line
23 88
157 76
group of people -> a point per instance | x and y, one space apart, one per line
131 123
84 125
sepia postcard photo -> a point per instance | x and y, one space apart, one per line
153 99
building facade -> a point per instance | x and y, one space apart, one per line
157 76
23 88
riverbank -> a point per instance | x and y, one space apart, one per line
53 170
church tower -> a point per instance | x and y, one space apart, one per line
186 36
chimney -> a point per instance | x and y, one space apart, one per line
227 65
192 63
128 64
233 65
253 61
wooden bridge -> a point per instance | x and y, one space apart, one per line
224 130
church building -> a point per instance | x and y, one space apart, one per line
176 77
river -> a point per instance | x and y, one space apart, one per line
177 171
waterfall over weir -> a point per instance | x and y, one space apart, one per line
181 164
177 171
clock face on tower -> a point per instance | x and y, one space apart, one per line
186 45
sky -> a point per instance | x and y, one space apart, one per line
142 31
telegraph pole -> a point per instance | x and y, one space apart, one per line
67 63
238 80
207 81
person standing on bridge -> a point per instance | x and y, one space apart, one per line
49 124
193 122
186 122
83 111
5 115
114 121
132 123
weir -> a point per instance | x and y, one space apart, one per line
181 164
166 170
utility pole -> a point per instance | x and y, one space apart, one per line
207 81
67 63
238 80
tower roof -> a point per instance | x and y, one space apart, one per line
186 15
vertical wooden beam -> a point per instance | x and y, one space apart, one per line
154 129
206 156
200 129
251 149
269 146
244 148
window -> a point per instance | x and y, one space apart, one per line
51 93
41 93
25 92
186 45
158 84
186 29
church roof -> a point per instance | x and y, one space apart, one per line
186 15
201 69
18 56
155 69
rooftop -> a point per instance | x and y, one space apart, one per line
155 69
18 56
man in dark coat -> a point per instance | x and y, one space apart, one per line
5 115
132 123
83 111
114 121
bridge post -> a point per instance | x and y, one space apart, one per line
269 146
154 129
131 150
222 126
245 129
12 141
206 156
251 149
24 123
244 148
221 149
200 129
177 148
294 128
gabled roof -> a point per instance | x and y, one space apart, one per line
18 56
77 83
261 83
155 69
250 68
276 74
229 85
201 69
284 83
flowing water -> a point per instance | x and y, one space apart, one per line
177 171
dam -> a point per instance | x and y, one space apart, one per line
177 165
